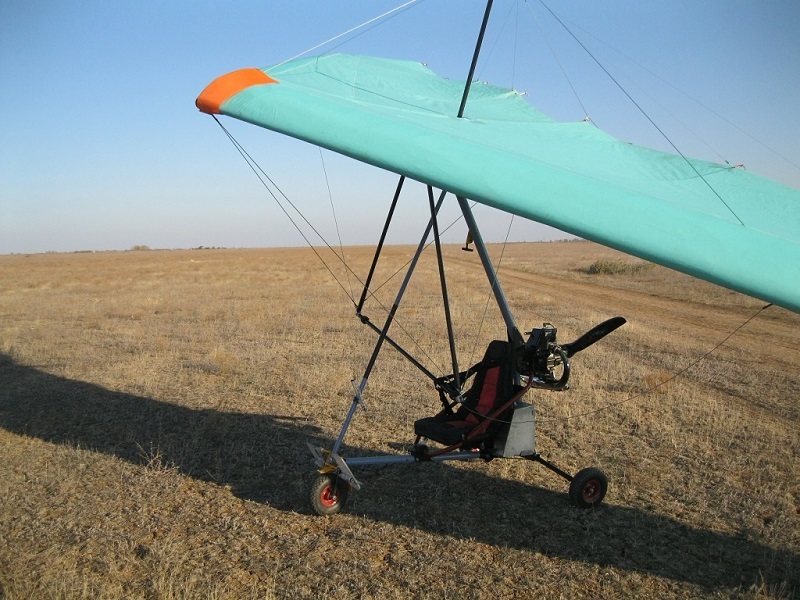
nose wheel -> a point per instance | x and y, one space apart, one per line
329 494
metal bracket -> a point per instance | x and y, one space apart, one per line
345 472
318 453
325 465
358 396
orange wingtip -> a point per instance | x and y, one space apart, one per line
222 88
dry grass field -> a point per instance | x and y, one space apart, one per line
155 408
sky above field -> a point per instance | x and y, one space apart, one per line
102 146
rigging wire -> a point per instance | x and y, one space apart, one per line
637 395
398 10
693 99
428 245
654 100
644 113
256 169
560 64
672 377
264 178
489 295
684 125
494 45
336 222
403 267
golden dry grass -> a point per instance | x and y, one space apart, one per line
154 409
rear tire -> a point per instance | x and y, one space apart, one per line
329 494
588 488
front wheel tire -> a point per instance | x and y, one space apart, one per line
588 488
329 494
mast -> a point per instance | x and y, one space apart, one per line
475 55
491 274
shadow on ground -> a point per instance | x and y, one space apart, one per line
264 458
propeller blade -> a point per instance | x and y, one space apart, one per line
593 335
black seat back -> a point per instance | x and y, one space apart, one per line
493 385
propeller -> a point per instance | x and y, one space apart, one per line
593 335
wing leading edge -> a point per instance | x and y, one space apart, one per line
504 153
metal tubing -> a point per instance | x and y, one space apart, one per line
475 58
400 349
385 330
538 458
500 297
390 459
347 419
380 245
401 292
443 281
457 456
385 459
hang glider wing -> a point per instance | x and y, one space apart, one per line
711 221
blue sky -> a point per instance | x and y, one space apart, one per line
102 147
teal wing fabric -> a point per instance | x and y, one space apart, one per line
504 153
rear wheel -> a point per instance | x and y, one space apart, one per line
329 494
588 488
